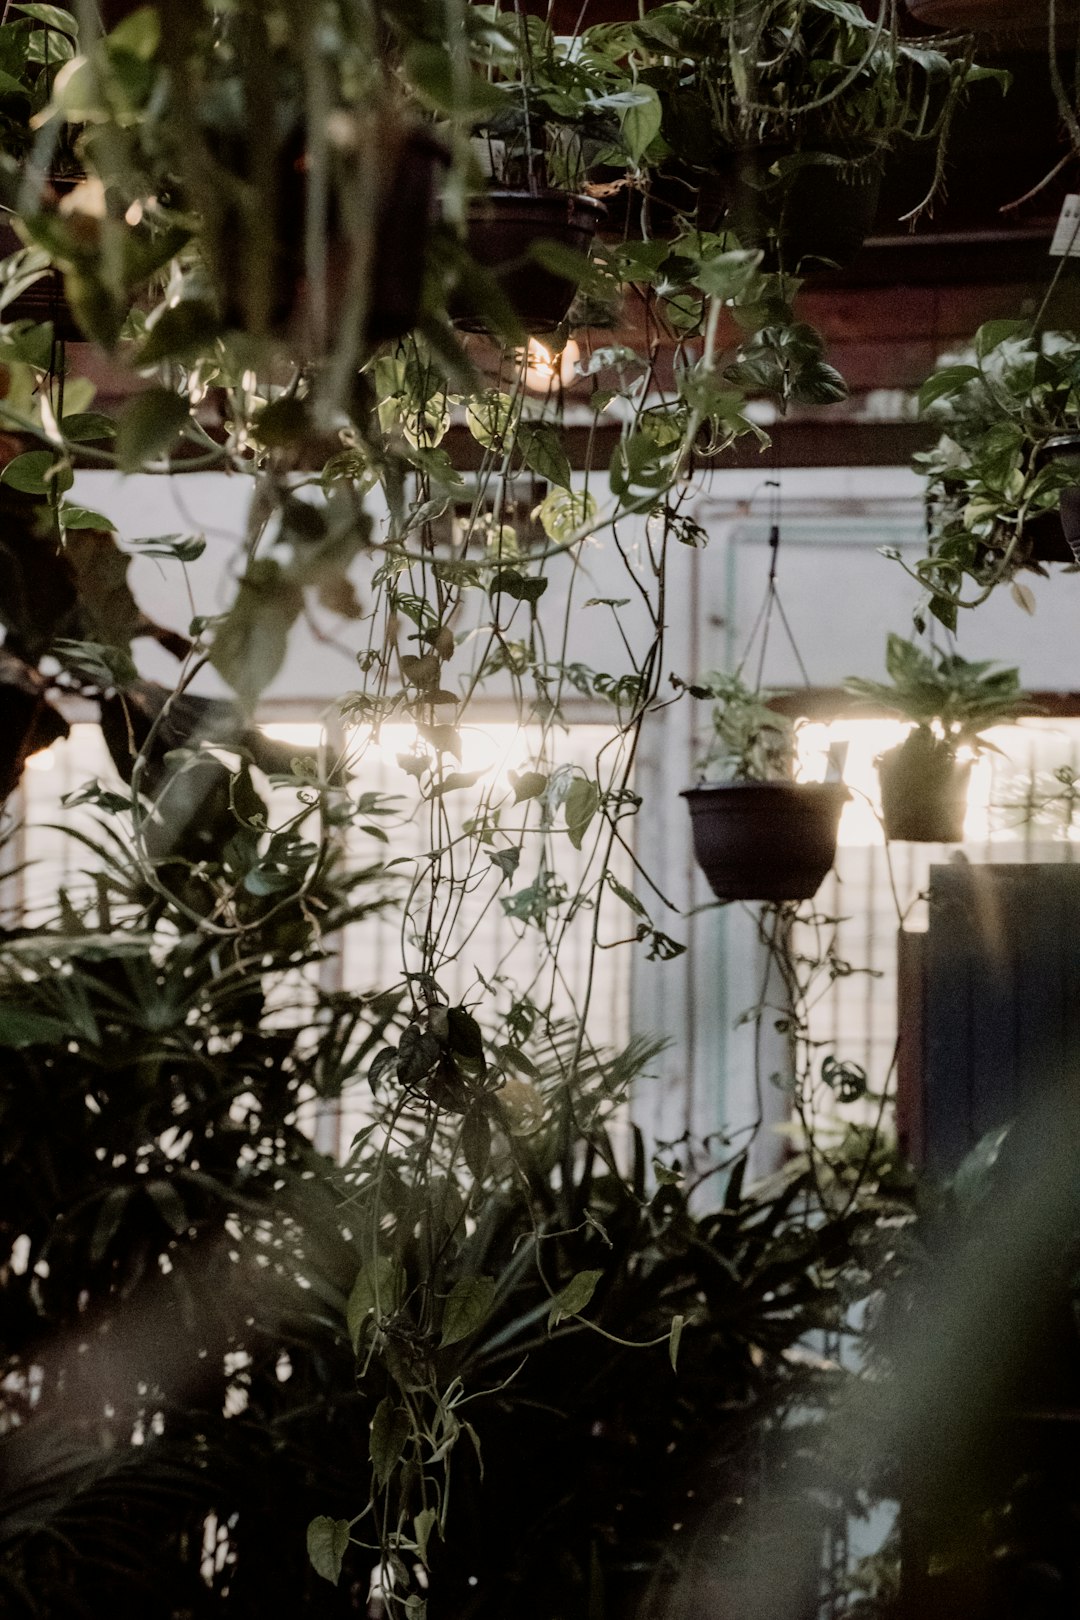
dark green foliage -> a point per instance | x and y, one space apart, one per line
964 698
641 1362
171 1244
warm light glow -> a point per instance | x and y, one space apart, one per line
43 760
493 750
302 734
543 371
865 740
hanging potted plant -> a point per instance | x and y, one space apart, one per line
1003 492
34 47
924 779
988 15
758 833
782 116
288 194
531 221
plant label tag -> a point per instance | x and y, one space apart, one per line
1067 234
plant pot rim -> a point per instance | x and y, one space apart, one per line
838 790
547 201
1062 441
941 744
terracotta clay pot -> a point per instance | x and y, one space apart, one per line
503 228
765 840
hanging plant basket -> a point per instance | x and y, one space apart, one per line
988 15
1055 535
407 212
504 228
765 840
44 299
923 790
816 216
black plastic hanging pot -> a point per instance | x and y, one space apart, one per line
813 217
45 299
923 790
408 210
765 840
503 229
1055 535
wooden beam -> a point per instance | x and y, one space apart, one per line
804 442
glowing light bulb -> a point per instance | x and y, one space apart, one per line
543 369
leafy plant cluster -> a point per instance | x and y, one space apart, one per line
951 696
486 1259
176 1365
810 84
993 475
751 741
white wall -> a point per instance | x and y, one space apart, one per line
841 598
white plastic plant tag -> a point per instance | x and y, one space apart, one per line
1067 232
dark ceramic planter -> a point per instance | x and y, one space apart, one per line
817 217
765 840
45 300
988 16
1055 536
403 228
503 228
923 791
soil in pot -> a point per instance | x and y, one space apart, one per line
765 840
923 790
503 228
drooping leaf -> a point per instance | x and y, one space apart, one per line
541 448
327 1541
423 1524
476 1142
81 517
148 427
467 1308
250 643
944 383
54 17
389 1434
183 332
574 1298
507 860
378 1291
38 472
579 807
564 512
527 785
85 427
522 587
110 1215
